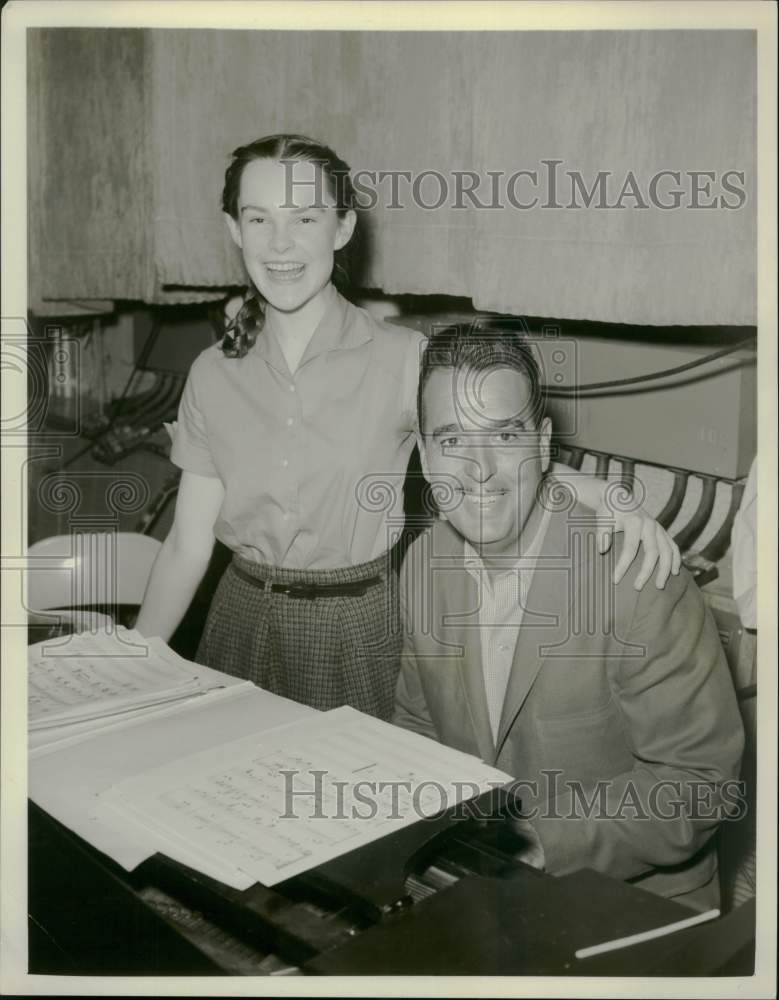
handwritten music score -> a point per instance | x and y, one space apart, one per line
265 808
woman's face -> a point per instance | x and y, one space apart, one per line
288 230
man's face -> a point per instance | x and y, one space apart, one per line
480 441
288 230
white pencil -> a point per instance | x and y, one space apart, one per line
626 942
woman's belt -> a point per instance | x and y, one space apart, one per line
309 591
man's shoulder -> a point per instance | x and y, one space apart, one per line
437 547
437 542
583 531
650 606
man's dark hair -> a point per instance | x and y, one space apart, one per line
479 347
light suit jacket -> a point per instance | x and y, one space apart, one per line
617 698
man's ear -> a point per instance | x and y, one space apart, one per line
234 228
545 443
346 224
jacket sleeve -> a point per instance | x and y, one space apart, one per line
681 721
411 709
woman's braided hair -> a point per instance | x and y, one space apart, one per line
241 332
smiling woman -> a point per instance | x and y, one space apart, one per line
289 230
287 203
294 436
280 428
289 234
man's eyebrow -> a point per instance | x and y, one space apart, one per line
517 422
295 211
446 429
489 425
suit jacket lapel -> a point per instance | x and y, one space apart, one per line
458 614
545 620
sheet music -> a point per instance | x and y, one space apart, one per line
54 738
65 777
92 676
350 779
174 846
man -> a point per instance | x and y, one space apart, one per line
613 706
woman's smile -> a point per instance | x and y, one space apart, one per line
285 271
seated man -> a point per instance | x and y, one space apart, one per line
614 707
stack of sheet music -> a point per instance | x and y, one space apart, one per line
241 785
80 684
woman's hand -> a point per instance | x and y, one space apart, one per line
659 548
639 528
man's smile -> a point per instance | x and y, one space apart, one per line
482 498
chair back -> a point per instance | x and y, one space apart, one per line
89 568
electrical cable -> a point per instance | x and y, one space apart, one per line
140 362
675 500
552 390
718 544
602 466
694 527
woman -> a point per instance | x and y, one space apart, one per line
294 435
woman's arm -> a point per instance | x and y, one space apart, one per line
659 548
183 558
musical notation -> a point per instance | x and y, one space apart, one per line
91 676
281 803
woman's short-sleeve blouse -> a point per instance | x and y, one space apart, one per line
312 463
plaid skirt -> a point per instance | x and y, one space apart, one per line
324 651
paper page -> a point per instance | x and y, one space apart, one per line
174 847
46 740
65 778
94 675
309 792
